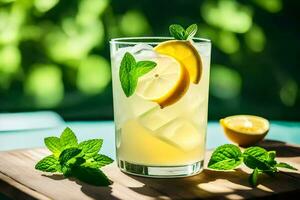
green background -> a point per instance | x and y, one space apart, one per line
54 54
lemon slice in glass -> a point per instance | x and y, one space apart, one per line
186 53
166 83
245 130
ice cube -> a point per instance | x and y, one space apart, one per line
141 47
120 53
181 133
153 119
157 117
144 52
203 49
141 106
139 51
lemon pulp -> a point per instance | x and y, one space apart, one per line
166 83
186 53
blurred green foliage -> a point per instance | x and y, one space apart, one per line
54 54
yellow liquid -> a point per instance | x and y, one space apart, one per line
172 136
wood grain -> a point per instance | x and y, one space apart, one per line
19 180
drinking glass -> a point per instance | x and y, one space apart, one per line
162 138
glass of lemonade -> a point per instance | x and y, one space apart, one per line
160 111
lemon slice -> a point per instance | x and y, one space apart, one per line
166 83
245 130
186 53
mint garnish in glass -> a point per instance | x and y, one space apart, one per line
130 71
179 33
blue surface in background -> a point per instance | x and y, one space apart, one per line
283 131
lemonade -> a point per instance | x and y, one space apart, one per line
160 104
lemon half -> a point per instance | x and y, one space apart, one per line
166 83
186 53
245 130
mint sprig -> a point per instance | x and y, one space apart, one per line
226 157
81 161
179 33
229 157
130 71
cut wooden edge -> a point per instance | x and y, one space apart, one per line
16 190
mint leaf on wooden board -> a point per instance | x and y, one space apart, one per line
225 157
253 177
285 165
92 176
68 139
98 161
130 71
257 157
228 156
271 158
48 164
54 145
102 160
73 160
90 148
67 154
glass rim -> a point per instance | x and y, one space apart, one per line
149 40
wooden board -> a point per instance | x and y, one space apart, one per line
19 180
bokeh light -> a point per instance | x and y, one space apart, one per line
255 39
288 92
228 15
134 23
44 84
228 42
272 6
44 5
10 59
225 83
90 10
93 75
73 42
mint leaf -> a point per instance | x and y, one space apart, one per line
225 157
48 164
271 158
67 154
98 161
90 148
91 175
191 31
102 160
177 31
143 67
272 155
73 160
257 152
68 139
257 157
260 160
253 177
54 145
130 71
285 165
128 81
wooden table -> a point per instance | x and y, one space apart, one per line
19 180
